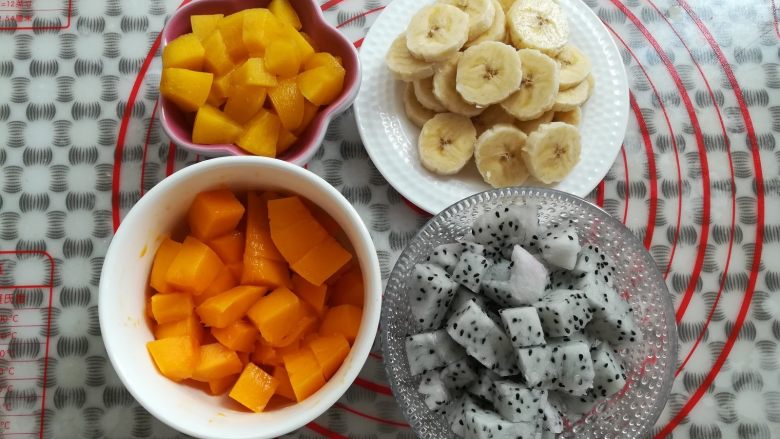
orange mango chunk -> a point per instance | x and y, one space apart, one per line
285 389
330 351
232 29
305 49
348 288
253 73
287 100
321 262
224 309
284 212
342 319
217 59
244 102
304 372
276 314
185 52
216 361
321 85
214 213
281 58
261 134
220 88
285 141
309 111
236 269
223 282
295 240
229 247
258 233
214 127
306 323
189 326
284 11
266 355
314 295
169 308
165 255
321 59
175 357
266 272
239 336
187 89
194 267
254 388
261 27
221 385
204 25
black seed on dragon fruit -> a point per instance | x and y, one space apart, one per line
560 247
435 392
470 269
575 368
485 424
459 374
483 339
431 350
613 320
523 326
446 256
563 312
430 295
517 403
609 375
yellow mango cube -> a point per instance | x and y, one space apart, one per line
213 127
287 100
253 73
244 102
188 89
321 59
219 90
232 29
185 52
281 58
285 141
305 49
260 28
217 59
309 111
284 11
175 357
321 85
204 25
261 134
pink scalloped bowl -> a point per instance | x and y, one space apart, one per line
178 125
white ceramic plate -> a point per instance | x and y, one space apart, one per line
391 139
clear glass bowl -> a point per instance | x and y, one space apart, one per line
649 365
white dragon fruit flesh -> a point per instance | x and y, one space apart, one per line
430 295
459 374
436 394
563 312
517 403
523 326
431 350
486 424
609 375
470 269
575 367
560 247
613 320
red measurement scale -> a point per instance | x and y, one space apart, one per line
26 294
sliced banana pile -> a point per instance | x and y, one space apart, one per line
496 80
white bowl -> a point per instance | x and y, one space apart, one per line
124 281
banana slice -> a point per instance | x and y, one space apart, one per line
493 115
423 89
540 25
552 151
499 156
575 66
496 31
403 65
573 97
437 32
444 83
415 112
529 126
572 117
488 73
592 85
446 143
539 88
506 4
480 12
